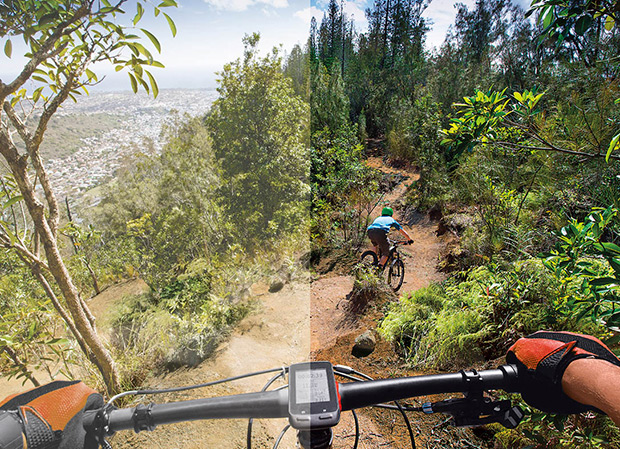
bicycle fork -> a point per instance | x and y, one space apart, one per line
315 439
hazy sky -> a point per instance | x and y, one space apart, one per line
210 33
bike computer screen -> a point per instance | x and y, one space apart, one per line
312 396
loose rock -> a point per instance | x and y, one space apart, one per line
276 286
364 344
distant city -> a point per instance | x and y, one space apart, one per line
100 155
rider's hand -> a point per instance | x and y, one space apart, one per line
410 242
51 415
542 359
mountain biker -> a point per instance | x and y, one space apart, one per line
564 372
377 233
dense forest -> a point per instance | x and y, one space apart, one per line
513 125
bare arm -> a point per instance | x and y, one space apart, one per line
403 232
594 382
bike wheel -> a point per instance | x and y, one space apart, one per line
369 259
396 274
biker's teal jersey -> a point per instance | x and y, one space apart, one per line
385 222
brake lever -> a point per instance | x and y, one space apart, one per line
477 410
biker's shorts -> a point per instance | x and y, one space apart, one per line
378 237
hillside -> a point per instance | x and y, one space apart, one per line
88 141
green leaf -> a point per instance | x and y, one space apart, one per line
153 39
167 3
609 23
611 341
611 248
91 75
546 16
604 281
153 83
173 27
613 145
139 14
57 341
583 24
134 83
8 48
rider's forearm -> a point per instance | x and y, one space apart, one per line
403 232
594 382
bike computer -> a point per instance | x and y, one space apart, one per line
312 396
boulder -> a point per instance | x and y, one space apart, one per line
364 345
276 286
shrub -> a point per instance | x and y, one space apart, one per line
476 315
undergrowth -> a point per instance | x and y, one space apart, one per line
476 315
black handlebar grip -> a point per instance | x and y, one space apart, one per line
11 436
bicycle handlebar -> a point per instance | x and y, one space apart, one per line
363 394
274 404
398 242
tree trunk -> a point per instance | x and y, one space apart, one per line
101 357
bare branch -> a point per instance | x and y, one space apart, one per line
22 366
17 123
22 251
517 146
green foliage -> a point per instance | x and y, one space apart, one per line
80 34
577 259
369 288
344 189
328 101
469 320
540 430
164 211
567 21
411 319
480 115
31 337
413 136
297 68
260 140
518 123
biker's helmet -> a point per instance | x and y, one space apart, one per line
387 211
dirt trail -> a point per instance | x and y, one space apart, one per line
329 319
277 335
334 327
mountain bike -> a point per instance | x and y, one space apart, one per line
312 400
395 274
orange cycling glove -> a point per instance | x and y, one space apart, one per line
51 416
542 358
